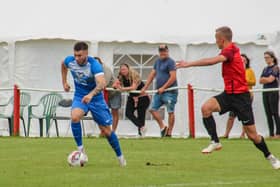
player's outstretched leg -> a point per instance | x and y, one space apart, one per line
114 142
209 122
76 116
261 145
77 134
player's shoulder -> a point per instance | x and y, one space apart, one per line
69 58
96 67
232 47
93 61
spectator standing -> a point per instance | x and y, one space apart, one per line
270 79
164 72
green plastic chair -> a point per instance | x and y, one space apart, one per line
24 102
49 102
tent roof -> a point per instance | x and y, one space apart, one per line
171 21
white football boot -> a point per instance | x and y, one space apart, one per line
274 161
122 161
213 146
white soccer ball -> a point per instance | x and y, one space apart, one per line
77 158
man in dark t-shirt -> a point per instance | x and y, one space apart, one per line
235 97
164 72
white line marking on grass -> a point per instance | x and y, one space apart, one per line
218 183
211 183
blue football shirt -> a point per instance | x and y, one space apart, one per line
84 76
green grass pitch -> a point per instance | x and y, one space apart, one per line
174 163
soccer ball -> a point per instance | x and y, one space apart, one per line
77 158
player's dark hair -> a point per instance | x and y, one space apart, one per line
226 32
79 46
272 55
247 59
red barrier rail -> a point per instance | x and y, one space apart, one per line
191 111
16 110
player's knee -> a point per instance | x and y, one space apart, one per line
206 110
253 137
75 118
106 131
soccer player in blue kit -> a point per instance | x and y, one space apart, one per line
89 83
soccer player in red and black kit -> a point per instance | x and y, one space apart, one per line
236 96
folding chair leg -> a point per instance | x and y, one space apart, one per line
83 127
67 131
24 128
10 126
56 127
48 123
41 127
28 125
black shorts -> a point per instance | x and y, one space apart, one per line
239 104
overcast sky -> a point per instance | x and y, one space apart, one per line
131 18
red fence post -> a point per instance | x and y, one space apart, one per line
106 95
16 110
191 111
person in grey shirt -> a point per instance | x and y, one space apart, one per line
114 97
164 72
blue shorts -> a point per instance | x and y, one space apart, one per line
98 108
169 99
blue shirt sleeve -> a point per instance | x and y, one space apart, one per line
68 59
171 65
96 67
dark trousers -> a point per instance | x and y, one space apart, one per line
140 107
271 107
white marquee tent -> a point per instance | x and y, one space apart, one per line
36 40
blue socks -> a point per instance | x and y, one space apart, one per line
114 142
77 134
112 139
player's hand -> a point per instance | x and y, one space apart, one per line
86 99
161 90
182 64
66 87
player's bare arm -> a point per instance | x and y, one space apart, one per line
64 72
170 81
201 62
100 85
149 81
267 80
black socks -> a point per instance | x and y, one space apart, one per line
263 148
210 126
